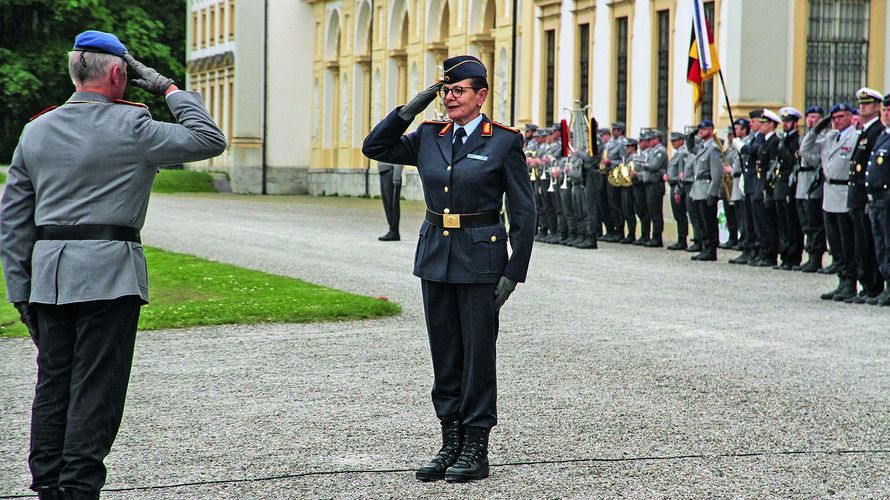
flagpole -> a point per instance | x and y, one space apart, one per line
726 97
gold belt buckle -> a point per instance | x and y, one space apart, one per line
451 221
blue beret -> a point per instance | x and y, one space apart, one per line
98 41
706 123
815 109
463 67
743 122
841 106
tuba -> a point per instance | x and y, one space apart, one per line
726 179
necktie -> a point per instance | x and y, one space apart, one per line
459 135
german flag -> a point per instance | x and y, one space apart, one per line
703 63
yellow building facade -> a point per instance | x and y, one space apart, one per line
335 67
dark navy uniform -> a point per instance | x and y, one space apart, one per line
460 266
878 187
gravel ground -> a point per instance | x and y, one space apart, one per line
623 372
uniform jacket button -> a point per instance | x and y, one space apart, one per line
446 211
494 238
446 189
445 233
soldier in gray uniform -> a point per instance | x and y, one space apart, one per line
837 151
656 168
808 195
687 176
390 192
607 212
708 172
616 151
551 155
737 161
628 211
678 195
735 204
75 200
640 178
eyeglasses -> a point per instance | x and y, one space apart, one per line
455 91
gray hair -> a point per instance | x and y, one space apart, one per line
85 67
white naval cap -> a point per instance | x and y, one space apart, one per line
771 116
866 95
790 113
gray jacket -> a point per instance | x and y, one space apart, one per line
836 156
676 165
656 164
91 161
808 177
734 160
708 170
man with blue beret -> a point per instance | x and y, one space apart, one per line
808 194
467 165
877 184
76 197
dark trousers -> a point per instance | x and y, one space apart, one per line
627 211
708 215
864 244
579 207
839 231
812 223
567 221
769 239
642 210
880 226
790 235
593 187
698 230
613 194
732 221
678 208
541 207
654 205
741 220
390 194
752 225
551 201
462 324
83 368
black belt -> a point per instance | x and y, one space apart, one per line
806 169
89 232
838 182
736 175
458 221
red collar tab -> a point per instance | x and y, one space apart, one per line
445 129
486 129
130 103
47 110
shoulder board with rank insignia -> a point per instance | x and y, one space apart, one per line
130 103
486 129
505 127
445 129
47 110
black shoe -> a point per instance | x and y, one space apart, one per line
50 494
627 241
611 238
741 259
452 438
830 295
473 461
654 243
786 266
884 298
859 298
729 245
846 292
72 494
695 248
587 244
832 269
640 241
679 245
764 263
705 256
390 236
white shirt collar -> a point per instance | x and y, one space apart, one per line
871 121
770 135
471 126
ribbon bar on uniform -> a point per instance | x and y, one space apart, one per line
89 232
458 221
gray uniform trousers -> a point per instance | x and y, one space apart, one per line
593 186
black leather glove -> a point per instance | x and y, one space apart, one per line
712 201
822 124
420 102
149 80
503 290
28 315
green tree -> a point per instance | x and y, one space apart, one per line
36 35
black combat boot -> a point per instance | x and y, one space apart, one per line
679 245
830 295
695 248
884 298
451 445
50 493
587 244
390 236
831 269
473 461
847 291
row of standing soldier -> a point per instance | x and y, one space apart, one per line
783 195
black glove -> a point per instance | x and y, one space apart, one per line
712 201
420 102
503 290
149 80
28 315
822 124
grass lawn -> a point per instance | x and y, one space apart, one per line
183 181
190 291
